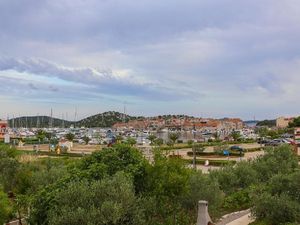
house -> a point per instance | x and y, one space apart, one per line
283 122
3 128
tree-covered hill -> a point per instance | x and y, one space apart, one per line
106 119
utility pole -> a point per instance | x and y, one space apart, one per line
194 157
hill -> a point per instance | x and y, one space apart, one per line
38 121
268 123
106 119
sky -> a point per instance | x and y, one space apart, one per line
209 58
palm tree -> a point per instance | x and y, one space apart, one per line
86 139
70 136
173 137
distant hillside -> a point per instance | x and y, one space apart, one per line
106 119
38 121
268 123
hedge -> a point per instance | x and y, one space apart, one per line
211 162
231 153
50 153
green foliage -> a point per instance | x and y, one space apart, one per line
118 186
262 131
131 141
268 123
158 141
166 184
86 139
190 143
7 151
295 123
119 138
151 138
173 137
70 136
109 201
233 179
9 168
119 158
237 200
41 134
276 160
278 201
203 187
235 135
5 208
198 148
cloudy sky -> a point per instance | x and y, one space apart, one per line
211 58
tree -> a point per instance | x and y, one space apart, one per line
166 184
70 136
295 123
235 135
41 134
131 141
158 141
151 138
202 187
119 139
190 143
48 135
120 157
196 148
108 201
173 137
9 168
86 139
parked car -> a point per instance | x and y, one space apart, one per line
236 148
277 142
263 141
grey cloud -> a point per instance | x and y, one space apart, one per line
103 82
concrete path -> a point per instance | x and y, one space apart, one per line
244 220
236 218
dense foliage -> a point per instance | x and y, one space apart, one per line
295 122
118 185
268 123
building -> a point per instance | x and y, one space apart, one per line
283 122
3 128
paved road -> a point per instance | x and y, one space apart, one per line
244 220
237 218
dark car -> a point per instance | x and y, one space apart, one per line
236 148
276 142
263 141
